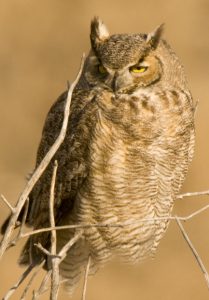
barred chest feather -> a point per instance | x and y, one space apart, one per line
136 167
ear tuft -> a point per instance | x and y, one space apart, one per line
154 37
99 32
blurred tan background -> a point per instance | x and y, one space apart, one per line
41 43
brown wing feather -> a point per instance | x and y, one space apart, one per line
71 169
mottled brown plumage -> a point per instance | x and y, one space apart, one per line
125 156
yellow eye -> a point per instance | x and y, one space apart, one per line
138 69
102 69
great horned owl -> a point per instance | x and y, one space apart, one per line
126 153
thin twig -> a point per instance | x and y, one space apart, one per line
63 252
63 227
194 251
20 232
195 213
51 211
55 262
45 251
17 284
40 169
38 268
24 216
203 193
7 203
86 278
43 286
107 225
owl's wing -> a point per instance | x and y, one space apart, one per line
71 172
70 156
38 196
71 163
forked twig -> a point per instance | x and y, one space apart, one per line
45 251
40 169
60 257
20 232
194 251
63 252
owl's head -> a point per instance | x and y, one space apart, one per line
124 62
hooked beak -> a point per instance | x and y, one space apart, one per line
115 82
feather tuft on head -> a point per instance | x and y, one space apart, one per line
99 32
154 37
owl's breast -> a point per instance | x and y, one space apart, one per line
137 159
149 113
135 116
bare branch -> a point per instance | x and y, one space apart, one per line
40 169
86 278
194 251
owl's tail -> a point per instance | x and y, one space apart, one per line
72 268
